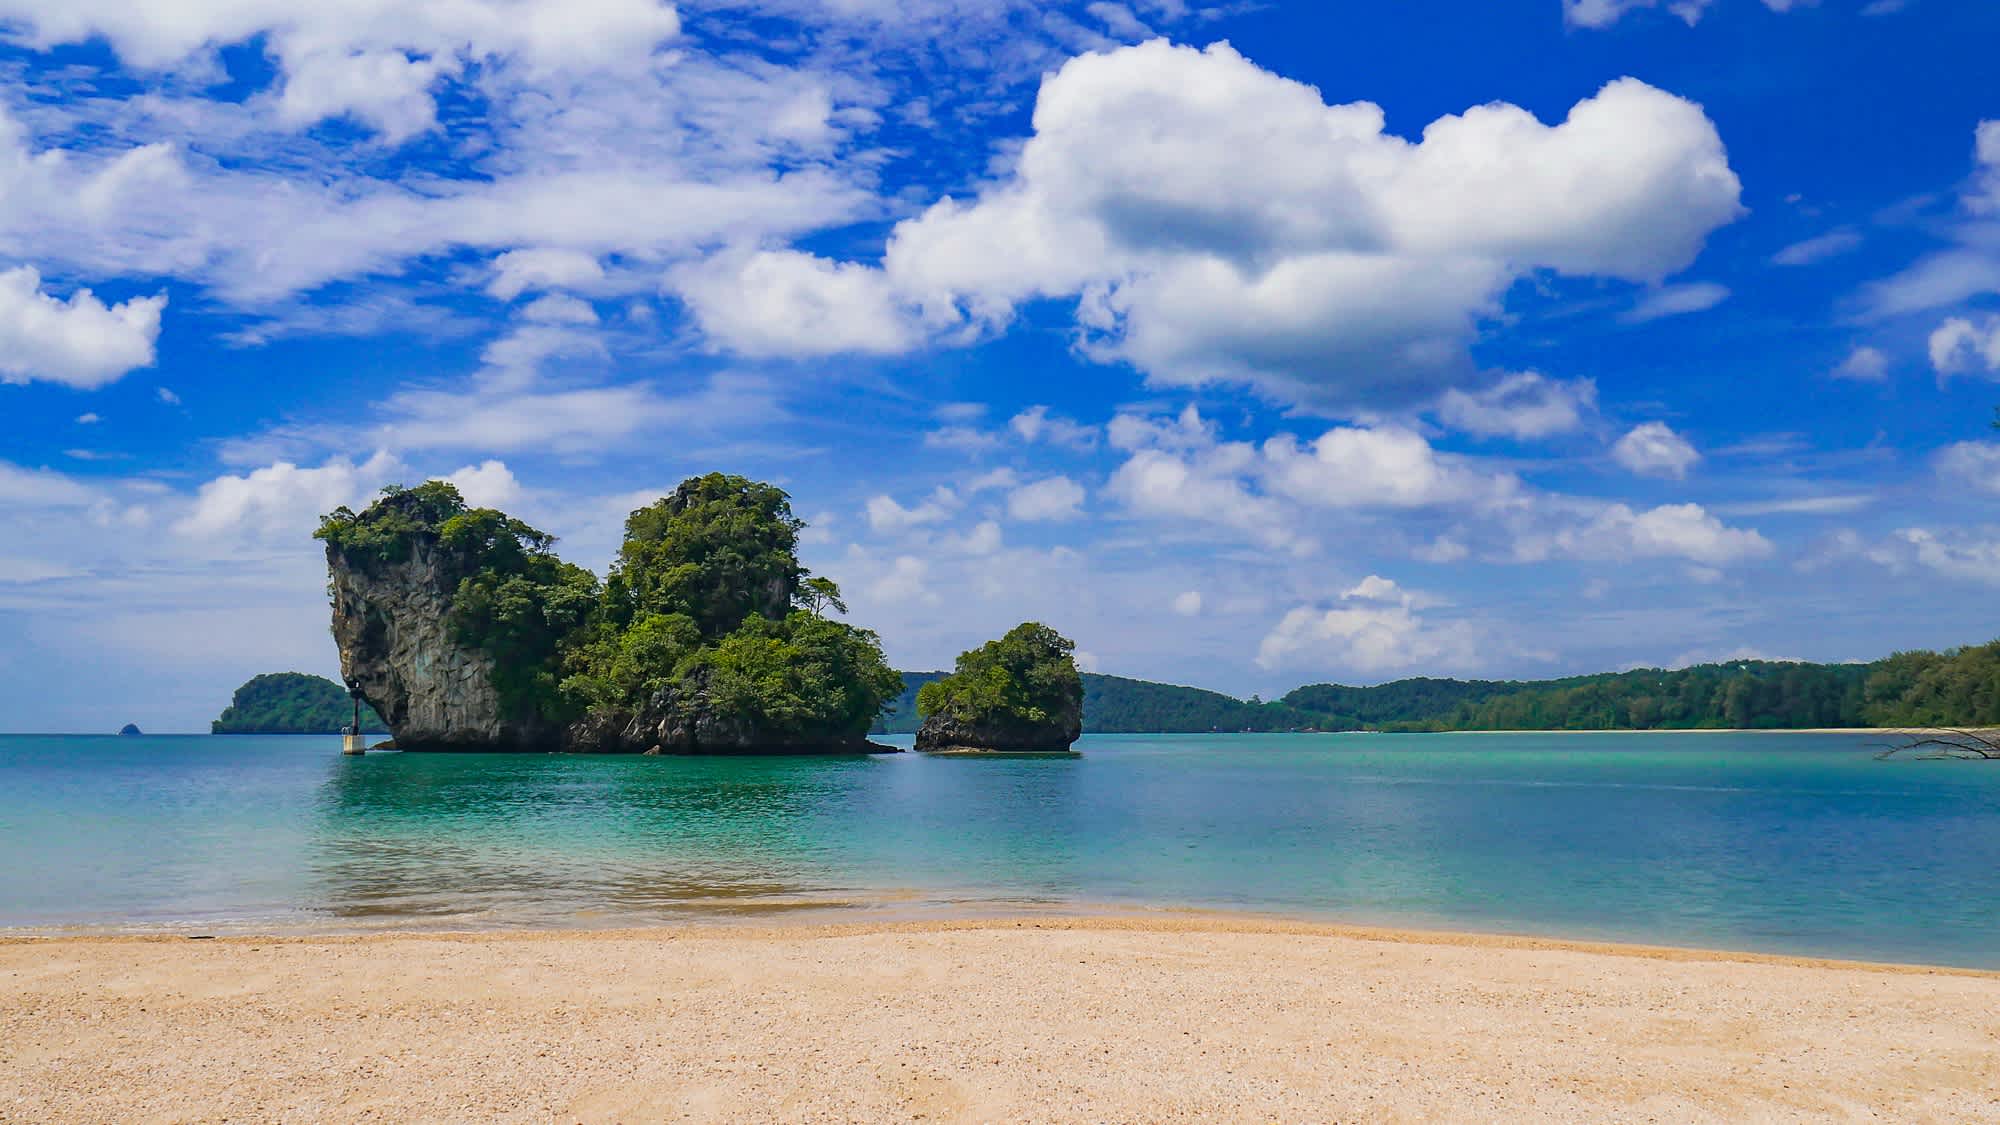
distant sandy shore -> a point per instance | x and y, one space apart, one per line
1157 1018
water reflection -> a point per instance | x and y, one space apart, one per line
526 839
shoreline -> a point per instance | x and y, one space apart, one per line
1058 1019
1071 919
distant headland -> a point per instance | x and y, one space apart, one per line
293 703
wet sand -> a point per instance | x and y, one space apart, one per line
1155 1018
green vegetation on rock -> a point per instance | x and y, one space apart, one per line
707 635
292 703
1021 692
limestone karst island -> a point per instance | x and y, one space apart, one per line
463 630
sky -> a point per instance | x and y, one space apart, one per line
1249 344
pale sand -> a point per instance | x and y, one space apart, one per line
1105 1019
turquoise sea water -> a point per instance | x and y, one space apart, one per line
1784 843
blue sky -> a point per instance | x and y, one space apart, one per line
1250 344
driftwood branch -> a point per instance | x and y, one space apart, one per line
1945 743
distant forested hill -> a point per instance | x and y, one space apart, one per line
1959 688
1116 705
292 703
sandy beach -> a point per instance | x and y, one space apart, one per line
1156 1018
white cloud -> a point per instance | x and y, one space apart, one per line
1523 405
1680 531
1677 300
489 484
166 396
1217 221
559 308
1599 14
88 419
1037 424
521 271
80 342
1057 498
1653 449
372 59
1188 603
1812 251
885 514
785 303
1374 628
1974 463
984 539
1864 364
1960 347
580 421
1954 553
283 500
1965 270
386 90
1204 488
1351 467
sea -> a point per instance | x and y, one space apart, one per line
1801 844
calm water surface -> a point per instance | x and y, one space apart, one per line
1785 843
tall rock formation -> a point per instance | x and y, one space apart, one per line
392 623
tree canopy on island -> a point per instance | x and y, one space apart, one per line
292 703
1025 678
707 611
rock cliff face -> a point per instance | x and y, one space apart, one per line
391 622
681 722
941 733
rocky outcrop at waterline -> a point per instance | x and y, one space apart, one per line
1019 694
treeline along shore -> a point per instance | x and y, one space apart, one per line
1958 688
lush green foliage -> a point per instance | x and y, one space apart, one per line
292 703
1028 676
1953 689
387 531
720 550
797 675
707 609
1960 688
1749 694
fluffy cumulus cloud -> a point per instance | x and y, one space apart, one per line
283 500
1523 405
785 303
1672 531
1963 347
1653 449
1384 467
79 341
1213 220
1057 498
1374 627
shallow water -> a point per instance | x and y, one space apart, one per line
1784 843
